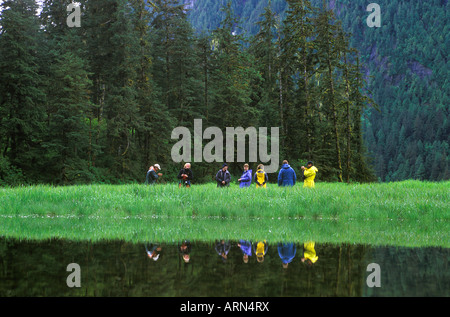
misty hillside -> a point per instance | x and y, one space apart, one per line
405 61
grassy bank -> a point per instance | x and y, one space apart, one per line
407 214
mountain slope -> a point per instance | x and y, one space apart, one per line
405 61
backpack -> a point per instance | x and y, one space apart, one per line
261 177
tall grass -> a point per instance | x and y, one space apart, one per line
407 213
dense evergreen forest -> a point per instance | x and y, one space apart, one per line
98 103
405 67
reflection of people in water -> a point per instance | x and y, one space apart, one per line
287 253
222 248
153 251
246 248
260 250
309 253
185 249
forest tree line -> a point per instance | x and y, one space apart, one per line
405 63
98 103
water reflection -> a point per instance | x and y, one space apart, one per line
153 251
184 248
260 250
246 248
222 248
287 253
309 255
219 268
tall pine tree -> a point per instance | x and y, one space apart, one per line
21 87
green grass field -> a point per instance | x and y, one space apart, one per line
409 213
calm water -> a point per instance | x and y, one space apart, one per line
114 269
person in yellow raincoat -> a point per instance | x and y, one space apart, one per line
309 254
309 172
261 177
260 250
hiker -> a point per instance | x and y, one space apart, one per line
286 251
153 251
261 177
223 177
222 248
260 250
309 255
185 176
184 248
309 173
152 175
287 176
246 178
246 248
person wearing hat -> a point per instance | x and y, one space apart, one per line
223 177
152 175
309 172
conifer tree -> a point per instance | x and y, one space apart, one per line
233 72
21 87
68 99
265 50
326 29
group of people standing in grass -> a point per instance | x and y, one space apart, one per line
286 177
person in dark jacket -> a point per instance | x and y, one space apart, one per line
152 175
246 178
223 177
222 248
184 248
185 176
287 176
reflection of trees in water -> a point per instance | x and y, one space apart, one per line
412 272
124 269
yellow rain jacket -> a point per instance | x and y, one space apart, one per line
261 248
310 253
310 175
261 178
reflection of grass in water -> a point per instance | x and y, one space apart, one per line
408 213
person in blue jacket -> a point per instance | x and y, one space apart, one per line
246 248
246 178
286 251
287 176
